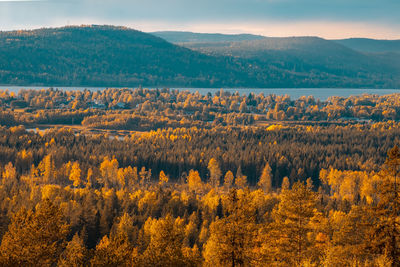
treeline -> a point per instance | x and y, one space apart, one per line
60 213
144 109
298 152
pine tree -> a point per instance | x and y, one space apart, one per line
265 182
75 254
386 237
215 172
240 180
165 246
194 181
289 235
231 238
117 249
285 183
75 174
47 169
228 180
35 237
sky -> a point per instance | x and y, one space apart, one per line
331 19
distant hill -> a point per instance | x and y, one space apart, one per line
109 56
302 55
106 56
191 37
371 45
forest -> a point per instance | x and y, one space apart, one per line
139 177
101 55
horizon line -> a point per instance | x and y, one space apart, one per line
33 28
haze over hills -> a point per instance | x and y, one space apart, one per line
118 56
192 37
358 44
371 45
301 54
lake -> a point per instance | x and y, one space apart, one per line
320 93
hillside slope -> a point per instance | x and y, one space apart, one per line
371 45
105 56
324 60
109 56
192 37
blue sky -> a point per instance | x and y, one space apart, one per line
325 18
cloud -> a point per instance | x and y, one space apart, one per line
10 1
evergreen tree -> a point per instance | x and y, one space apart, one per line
228 180
75 254
75 174
35 237
386 237
215 172
290 243
265 182
165 246
231 238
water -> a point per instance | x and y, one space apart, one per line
318 93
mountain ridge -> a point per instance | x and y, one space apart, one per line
104 55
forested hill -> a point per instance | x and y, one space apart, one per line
105 56
371 45
117 56
192 37
323 61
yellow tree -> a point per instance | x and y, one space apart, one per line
194 181
290 243
243 107
75 254
89 178
108 253
228 180
9 174
75 174
351 236
285 183
163 179
118 249
144 176
215 172
241 181
166 243
131 177
109 171
35 238
265 182
387 231
47 168
231 240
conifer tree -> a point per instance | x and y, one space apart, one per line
166 240
265 182
228 180
35 237
231 238
194 181
75 174
386 237
292 217
215 172
75 254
